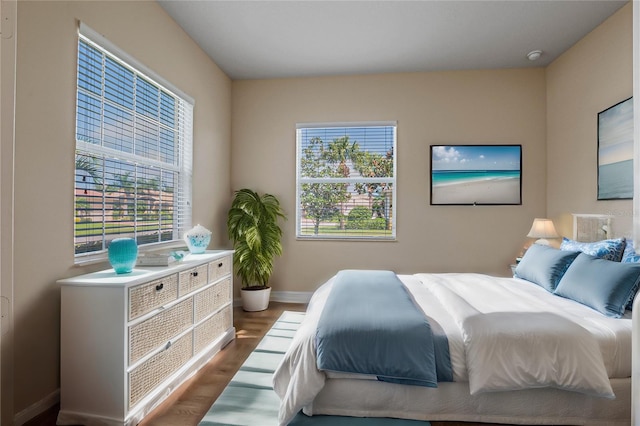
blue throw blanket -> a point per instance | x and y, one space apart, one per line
371 325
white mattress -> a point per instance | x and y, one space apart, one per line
449 299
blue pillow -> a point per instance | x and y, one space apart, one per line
603 285
629 255
544 265
605 249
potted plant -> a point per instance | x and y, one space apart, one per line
252 224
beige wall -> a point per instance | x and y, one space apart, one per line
593 75
8 12
44 157
466 107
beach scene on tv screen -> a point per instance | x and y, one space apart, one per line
475 174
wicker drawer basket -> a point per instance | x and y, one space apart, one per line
207 301
155 331
158 368
152 295
211 329
220 268
193 279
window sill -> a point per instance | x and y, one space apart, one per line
103 256
343 239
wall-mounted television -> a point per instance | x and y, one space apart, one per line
476 174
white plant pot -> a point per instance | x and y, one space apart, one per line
255 300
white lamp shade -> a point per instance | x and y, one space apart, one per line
542 229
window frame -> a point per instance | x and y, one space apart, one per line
183 164
301 180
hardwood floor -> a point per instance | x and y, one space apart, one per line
189 403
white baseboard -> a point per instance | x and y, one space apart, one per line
37 408
291 296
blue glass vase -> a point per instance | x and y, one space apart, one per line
123 253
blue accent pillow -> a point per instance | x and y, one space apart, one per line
603 285
629 255
544 265
605 249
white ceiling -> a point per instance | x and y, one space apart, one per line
273 39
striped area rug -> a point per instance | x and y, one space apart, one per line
249 399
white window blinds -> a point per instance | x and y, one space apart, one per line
133 152
346 181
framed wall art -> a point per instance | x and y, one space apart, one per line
615 152
476 174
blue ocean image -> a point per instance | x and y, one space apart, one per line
615 151
475 174
452 177
615 180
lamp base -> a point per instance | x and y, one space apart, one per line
543 242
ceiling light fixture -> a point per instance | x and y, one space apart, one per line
534 55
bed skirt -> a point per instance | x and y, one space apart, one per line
452 402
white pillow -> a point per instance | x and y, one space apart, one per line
521 350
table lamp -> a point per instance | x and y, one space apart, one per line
542 229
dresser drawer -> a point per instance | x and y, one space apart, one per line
219 268
157 330
193 279
158 368
207 301
149 296
211 329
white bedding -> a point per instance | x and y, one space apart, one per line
452 300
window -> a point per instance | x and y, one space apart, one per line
346 181
133 151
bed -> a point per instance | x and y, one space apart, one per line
573 366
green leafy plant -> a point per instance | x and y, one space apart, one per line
252 225
359 218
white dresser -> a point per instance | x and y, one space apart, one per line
128 341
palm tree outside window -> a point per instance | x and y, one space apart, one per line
346 181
